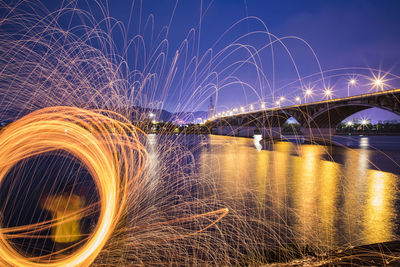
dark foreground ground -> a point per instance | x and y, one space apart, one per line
380 254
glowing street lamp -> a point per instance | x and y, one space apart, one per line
242 109
378 83
349 123
298 100
364 122
351 82
151 115
277 103
328 93
307 94
263 106
251 107
281 98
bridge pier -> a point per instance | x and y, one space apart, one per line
271 132
324 133
226 130
247 131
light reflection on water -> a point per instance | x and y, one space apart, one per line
320 201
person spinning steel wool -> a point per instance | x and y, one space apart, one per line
64 209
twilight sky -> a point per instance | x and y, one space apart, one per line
352 34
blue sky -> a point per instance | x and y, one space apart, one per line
354 35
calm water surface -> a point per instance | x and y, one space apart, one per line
331 195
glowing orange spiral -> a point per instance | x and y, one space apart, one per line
110 150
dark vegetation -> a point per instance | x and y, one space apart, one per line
380 128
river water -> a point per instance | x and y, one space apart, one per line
331 195
277 195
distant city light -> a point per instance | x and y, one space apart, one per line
277 103
262 105
154 122
151 115
297 99
349 123
251 107
364 122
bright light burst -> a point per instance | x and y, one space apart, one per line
364 121
328 93
378 81
353 81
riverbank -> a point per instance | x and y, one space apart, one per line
378 254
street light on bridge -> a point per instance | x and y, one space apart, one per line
298 100
307 94
351 82
262 105
328 93
378 83
242 109
251 107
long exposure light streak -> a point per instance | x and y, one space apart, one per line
103 152
80 91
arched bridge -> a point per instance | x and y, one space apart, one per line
316 119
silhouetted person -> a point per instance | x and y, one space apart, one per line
64 209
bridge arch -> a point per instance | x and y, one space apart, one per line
331 116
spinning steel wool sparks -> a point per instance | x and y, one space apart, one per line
105 146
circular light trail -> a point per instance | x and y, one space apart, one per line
107 145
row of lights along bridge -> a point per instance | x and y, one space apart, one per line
327 94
